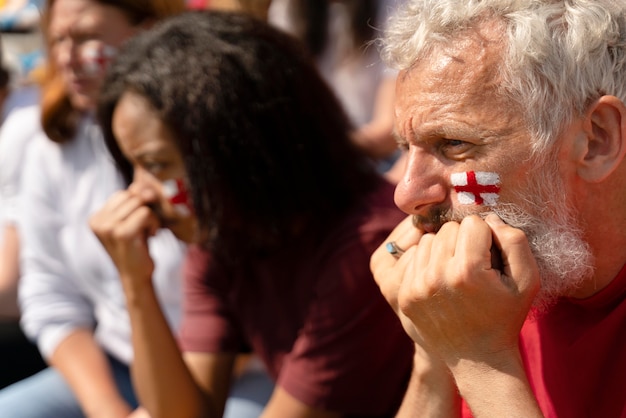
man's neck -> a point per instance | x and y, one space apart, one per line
605 218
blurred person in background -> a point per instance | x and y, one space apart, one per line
230 138
20 356
341 35
70 297
20 15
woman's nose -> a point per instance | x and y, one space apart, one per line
423 183
144 184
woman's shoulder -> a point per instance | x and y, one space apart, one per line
77 150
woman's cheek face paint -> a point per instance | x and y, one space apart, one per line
95 57
476 187
176 193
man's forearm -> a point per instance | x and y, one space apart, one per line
431 392
497 387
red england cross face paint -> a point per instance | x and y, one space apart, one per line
176 193
95 57
476 187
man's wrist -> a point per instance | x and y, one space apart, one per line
496 385
431 390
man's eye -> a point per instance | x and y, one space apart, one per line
455 148
454 142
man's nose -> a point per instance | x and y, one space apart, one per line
422 185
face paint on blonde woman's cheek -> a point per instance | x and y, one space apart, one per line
95 57
476 187
176 193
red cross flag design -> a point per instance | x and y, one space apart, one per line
176 193
95 57
476 187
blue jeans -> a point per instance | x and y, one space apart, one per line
47 395
249 395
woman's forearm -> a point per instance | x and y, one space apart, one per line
87 370
9 273
163 381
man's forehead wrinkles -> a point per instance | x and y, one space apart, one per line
418 130
456 130
457 117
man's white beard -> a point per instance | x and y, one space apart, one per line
556 240
563 257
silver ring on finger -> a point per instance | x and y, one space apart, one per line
393 249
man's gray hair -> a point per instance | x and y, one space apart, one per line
561 54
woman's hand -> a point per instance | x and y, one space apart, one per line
123 226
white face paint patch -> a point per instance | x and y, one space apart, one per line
176 192
476 187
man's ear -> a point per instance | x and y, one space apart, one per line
604 136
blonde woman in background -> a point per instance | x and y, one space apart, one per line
341 35
70 296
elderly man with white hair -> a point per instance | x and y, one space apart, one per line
509 272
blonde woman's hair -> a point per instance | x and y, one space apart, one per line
58 117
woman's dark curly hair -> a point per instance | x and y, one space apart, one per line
265 142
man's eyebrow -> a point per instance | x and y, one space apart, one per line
453 132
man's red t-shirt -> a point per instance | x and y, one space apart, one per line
575 355
312 313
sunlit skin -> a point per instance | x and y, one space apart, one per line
132 216
450 120
150 148
73 22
